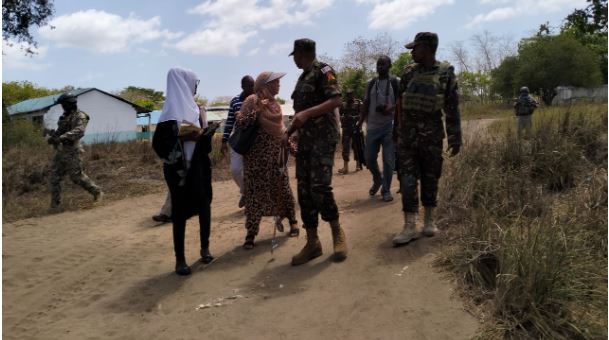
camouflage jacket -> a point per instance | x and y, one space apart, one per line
425 93
314 87
349 114
70 129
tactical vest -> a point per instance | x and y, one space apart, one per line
425 91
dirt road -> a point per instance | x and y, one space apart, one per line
107 272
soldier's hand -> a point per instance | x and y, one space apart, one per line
454 150
299 120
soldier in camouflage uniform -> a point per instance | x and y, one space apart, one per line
427 88
349 115
68 157
315 97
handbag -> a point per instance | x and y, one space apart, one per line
242 139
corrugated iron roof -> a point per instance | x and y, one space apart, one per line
42 103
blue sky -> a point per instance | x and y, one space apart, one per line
117 43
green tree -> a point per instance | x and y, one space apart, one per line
545 62
355 79
18 16
589 27
503 78
551 61
475 85
403 60
145 97
14 92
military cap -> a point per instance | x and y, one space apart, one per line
427 38
67 97
303 45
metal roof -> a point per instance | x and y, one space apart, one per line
42 103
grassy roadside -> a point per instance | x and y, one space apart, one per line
122 170
527 225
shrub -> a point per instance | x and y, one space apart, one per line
531 240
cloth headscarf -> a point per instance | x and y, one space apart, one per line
269 110
179 98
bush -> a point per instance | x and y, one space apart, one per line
21 132
531 240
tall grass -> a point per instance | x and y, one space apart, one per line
530 225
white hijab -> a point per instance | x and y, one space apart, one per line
179 98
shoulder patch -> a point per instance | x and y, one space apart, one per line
326 69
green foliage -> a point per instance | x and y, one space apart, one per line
398 66
545 62
14 92
20 132
531 240
355 79
503 78
280 100
18 16
475 86
145 97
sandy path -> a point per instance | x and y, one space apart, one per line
107 273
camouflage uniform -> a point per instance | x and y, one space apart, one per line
316 145
68 158
425 93
349 115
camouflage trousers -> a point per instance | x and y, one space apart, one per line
69 164
348 144
419 162
314 176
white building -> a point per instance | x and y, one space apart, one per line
112 118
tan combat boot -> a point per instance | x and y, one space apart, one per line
345 169
429 227
311 250
340 243
410 230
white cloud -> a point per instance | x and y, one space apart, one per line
240 20
521 8
213 41
14 56
397 14
104 32
280 47
254 51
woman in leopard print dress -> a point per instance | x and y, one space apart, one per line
267 187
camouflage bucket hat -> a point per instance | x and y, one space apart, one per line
427 38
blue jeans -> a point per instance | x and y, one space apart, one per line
374 140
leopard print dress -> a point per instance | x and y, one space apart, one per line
267 188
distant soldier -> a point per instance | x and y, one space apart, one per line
349 115
68 157
427 88
524 107
315 97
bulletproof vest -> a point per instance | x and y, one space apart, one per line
525 106
425 92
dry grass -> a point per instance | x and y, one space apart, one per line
121 169
529 240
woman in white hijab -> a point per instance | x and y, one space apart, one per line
184 147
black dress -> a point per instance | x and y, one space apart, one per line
190 189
